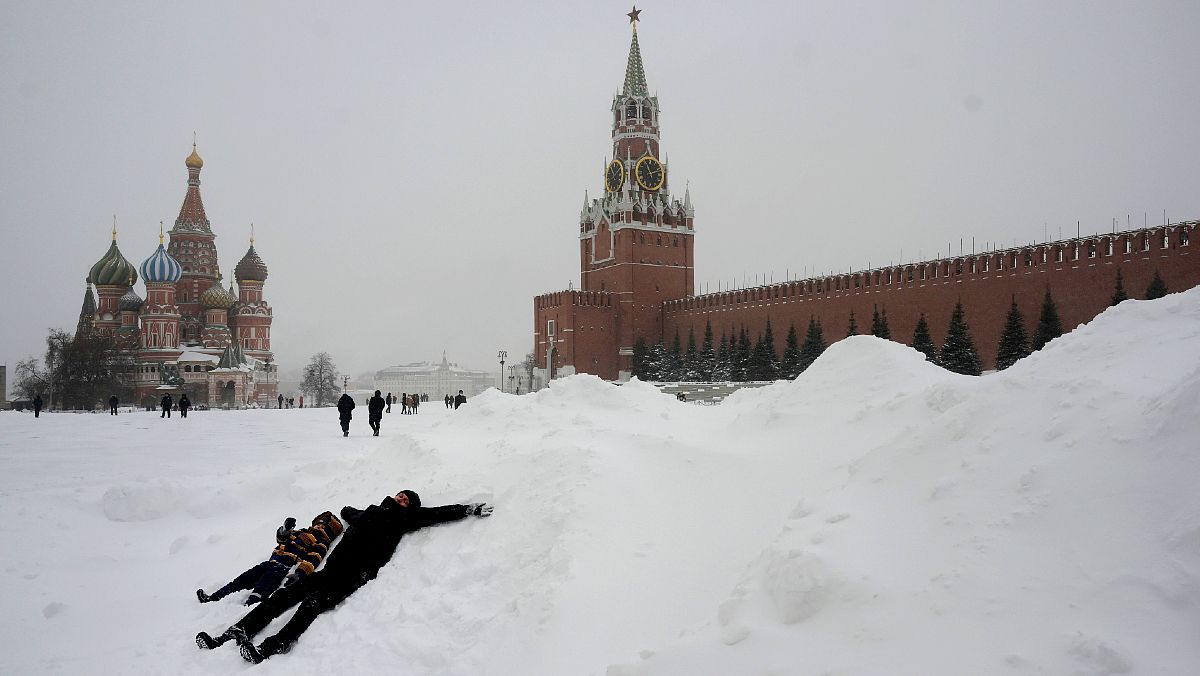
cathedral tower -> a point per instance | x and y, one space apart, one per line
160 311
113 276
253 315
193 244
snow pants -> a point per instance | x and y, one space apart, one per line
263 578
315 594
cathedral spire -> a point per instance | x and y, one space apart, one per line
191 213
635 75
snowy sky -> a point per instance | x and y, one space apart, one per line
415 171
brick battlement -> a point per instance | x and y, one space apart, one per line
559 299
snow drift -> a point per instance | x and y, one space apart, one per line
876 516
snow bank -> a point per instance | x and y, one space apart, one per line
876 516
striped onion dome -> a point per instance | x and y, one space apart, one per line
130 302
251 268
216 298
113 269
161 267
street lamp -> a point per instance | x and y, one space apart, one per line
502 355
512 375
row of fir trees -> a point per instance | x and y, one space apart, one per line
738 358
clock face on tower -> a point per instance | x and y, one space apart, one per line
649 173
614 176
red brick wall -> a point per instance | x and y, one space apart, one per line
1081 289
586 331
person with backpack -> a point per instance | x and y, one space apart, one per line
375 412
345 405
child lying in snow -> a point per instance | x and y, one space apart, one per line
303 549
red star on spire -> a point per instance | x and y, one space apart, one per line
633 16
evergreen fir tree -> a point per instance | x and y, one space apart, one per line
1049 326
790 366
721 367
852 327
674 367
641 354
958 353
741 356
772 358
707 360
814 344
879 324
1157 288
1014 342
690 360
1119 292
923 342
656 362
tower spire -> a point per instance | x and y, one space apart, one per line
635 75
114 227
251 234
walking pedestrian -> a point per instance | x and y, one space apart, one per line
112 404
166 403
389 402
280 398
37 405
184 405
345 405
375 412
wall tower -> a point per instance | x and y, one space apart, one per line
193 244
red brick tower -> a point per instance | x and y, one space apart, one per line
252 326
193 245
635 249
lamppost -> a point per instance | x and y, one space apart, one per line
345 382
502 355
512 375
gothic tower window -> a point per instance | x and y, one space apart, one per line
631 112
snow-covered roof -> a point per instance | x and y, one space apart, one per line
194 356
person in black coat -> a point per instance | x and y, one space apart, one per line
345 406
184 405
388 399
375 412
459 400
113 402
166 405
371 537
37 405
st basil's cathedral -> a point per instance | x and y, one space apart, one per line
190 334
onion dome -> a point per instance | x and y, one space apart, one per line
130 302
216 298
251 268
193 161
113 269
161 267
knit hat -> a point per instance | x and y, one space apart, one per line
414 500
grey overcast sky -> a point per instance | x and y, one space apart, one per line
415 171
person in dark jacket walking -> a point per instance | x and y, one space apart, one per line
388 399
372 535
459 400
345 406
166 405
375 412
449 401
184 405
37 405
113 402
303 549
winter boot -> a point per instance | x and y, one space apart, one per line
204 598
206 642
270 647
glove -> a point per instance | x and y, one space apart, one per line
479 509
289 523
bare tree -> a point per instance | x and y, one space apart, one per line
30 379
320 378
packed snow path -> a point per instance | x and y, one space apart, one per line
877 516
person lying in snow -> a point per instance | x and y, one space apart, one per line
302 548
372 535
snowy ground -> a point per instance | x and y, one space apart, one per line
877 516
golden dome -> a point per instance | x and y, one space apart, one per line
193 161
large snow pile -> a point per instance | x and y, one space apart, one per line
876 516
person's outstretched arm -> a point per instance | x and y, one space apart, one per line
429 516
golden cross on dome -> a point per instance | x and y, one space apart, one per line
251 234
160 232
114 227
633 16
